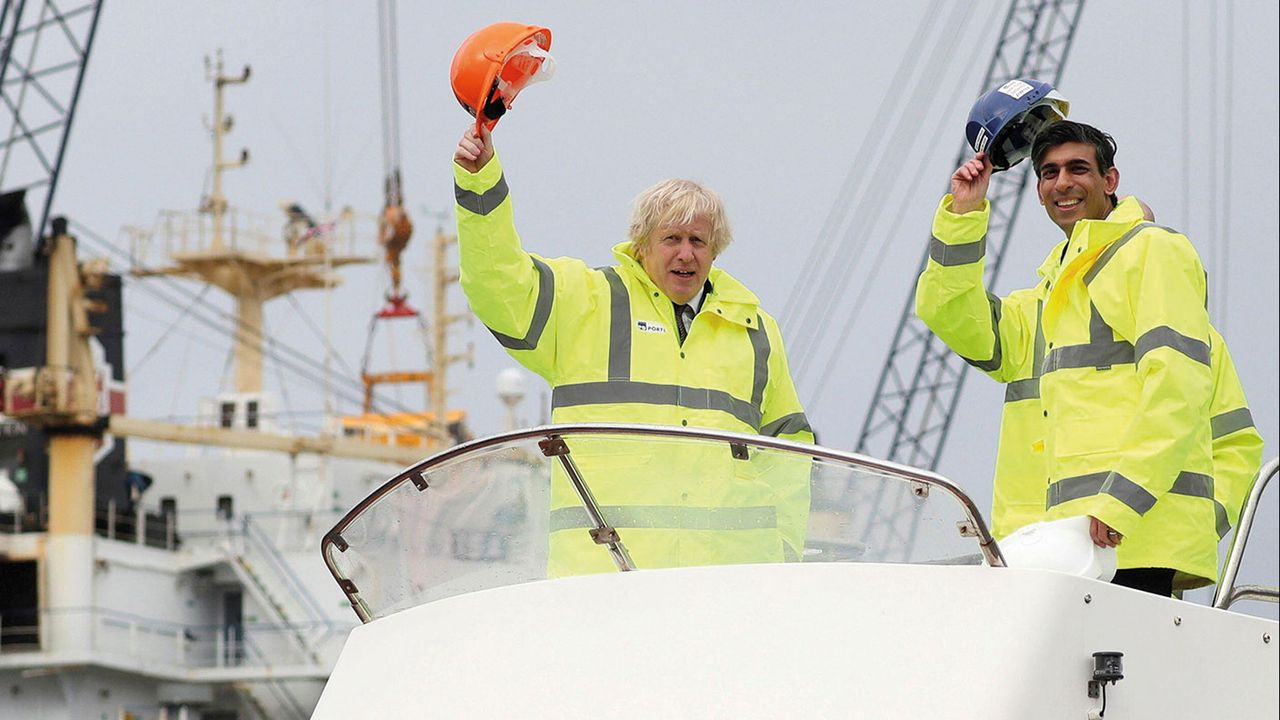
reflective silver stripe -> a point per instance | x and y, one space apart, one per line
541 311
1101 352
1220 519
1114 484
1231 421
1201 486
482 203
1193 484
760 347
795 422
1165 336
1101 355
1099 330
619 326
1024 389
994 363
668 517
1037 362
1110 252
620 391
952 255
1029 388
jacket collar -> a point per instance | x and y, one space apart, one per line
1093 234
728 297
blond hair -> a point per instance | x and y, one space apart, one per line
679 202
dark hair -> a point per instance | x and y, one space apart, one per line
1066 131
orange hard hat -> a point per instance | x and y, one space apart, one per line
495 63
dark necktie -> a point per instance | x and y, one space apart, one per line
684 319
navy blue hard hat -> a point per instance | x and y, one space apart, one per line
1004 122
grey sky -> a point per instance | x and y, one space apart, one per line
768 103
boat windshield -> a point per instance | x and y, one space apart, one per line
569 500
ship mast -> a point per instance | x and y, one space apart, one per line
444 277
236 260
216 204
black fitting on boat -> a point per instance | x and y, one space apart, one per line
1107 667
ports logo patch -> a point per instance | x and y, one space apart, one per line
650 327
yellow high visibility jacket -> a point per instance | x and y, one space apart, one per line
1117 386
605 340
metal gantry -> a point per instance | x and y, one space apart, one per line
919 388
44 49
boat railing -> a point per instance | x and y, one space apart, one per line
502 510
1228 593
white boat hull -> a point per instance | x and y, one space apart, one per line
806 640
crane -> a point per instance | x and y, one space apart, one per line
919 387
394 227
44 50
394 231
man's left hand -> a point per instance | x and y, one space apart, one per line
1103 535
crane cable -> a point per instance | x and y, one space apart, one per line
894 232
876 195
802 300
863 211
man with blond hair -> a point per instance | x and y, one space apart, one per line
661 337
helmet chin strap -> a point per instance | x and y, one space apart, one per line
494 108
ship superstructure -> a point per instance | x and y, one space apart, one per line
181 586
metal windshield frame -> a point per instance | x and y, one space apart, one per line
550 439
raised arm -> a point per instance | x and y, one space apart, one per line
510 290
994 335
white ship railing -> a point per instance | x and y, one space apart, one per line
177 232
1228 592
132 637
136 639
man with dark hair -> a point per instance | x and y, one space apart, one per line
1122 403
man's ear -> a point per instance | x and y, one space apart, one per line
1111 179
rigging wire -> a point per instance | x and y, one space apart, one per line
1215 166
865 216
328 348
390 77
165 335
895 230
887 170
300 160
181 375
1186 116
803 298
1223 273
232 332
301 366
225 380
284 386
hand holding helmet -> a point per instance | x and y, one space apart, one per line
474 150
969 184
